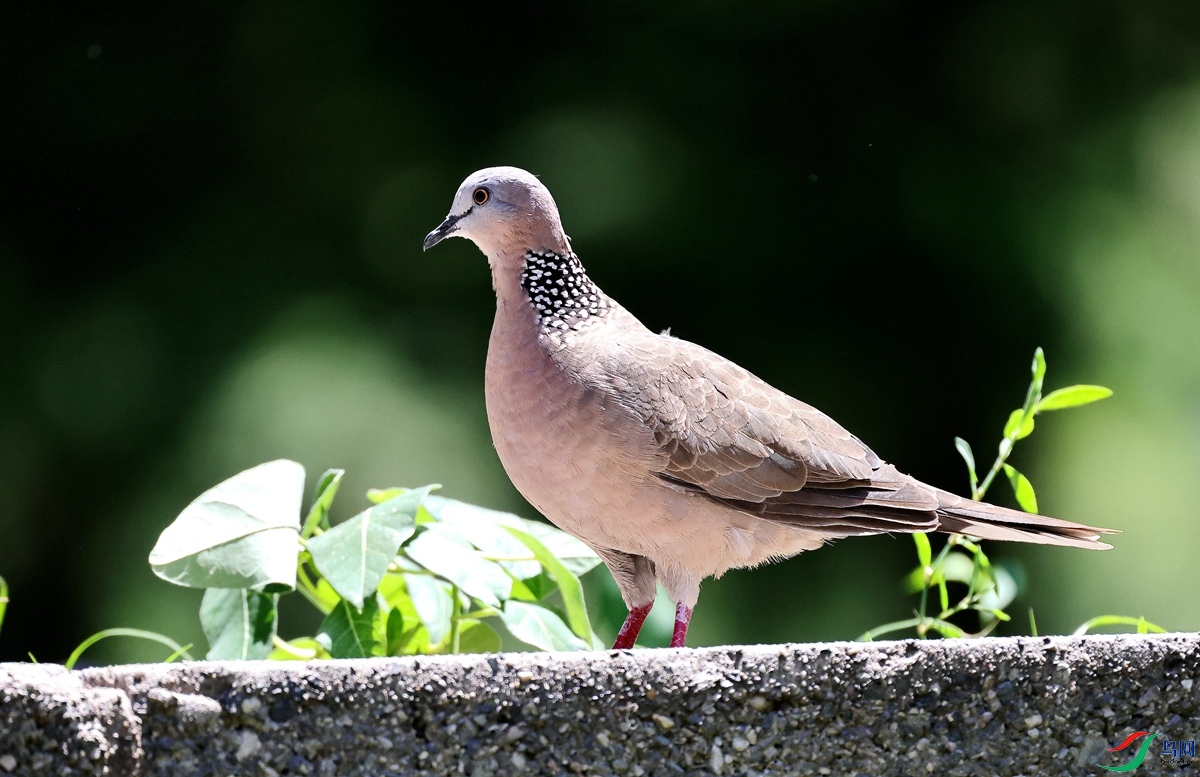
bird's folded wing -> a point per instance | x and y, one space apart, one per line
732 437
730 433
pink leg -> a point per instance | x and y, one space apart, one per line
683 616
632 627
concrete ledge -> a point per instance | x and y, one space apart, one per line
1026 706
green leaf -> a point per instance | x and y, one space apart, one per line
924 552
1039 370
1001 593
351 633
957 567
354 556
568 584
1019 424
575 555
522 589
1022 488
1073 396
539 627
477 637
437 550
482 528
238 623
406 634
242 533
964 450
381 495
396 628
431 601
318 514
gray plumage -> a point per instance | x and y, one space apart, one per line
669 460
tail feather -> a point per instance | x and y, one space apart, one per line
992 522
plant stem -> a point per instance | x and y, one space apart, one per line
3 600
304 654
486 612
309 590
455 618
1032 397
180 650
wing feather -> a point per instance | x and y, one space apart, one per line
731 436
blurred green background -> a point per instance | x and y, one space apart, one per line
210 256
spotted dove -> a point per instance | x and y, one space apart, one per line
673 463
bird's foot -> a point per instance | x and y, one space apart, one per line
632 627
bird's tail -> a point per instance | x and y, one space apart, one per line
991 522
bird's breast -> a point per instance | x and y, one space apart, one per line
568 444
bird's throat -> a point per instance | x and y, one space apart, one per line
562 295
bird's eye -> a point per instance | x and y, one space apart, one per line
481 196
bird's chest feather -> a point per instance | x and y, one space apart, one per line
566 441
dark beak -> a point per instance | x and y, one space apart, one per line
444 230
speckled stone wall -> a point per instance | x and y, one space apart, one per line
1030 706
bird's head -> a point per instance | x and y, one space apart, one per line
505 211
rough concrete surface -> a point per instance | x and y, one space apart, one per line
1028 706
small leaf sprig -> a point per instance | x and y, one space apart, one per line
1020 425
990 588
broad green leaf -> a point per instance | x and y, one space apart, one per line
460 564
543 585
432 603
482 528
964 450
533 588
1073 396
351 633
381 495
238 623
1022 488
539 627
924 552
242 533
300 649
1019 424
577 557
477 637
403 563
318 514
406 634
353 556
393 590
568 584
396 630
